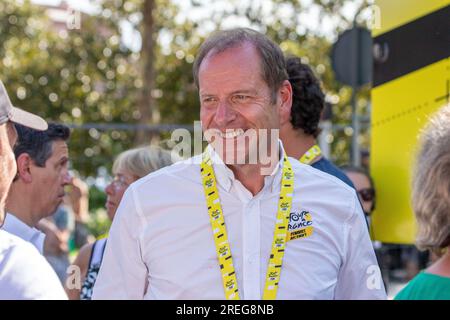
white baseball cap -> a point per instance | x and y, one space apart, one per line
10 113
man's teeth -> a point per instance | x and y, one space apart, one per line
229 134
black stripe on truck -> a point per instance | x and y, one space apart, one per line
412 46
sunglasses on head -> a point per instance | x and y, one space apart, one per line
367 194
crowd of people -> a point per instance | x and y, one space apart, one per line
290 225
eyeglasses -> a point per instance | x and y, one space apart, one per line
367 194
119 183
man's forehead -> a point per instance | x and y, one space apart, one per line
230 71
60 147
244 54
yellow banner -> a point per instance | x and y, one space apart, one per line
400 109
395 13
411 84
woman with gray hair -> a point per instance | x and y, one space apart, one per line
129 166
431 204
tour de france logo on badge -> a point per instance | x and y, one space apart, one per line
300 225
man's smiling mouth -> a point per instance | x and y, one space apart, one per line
229 133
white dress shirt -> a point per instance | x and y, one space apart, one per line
24 273
161 245
17 227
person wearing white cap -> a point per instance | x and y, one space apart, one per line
24 273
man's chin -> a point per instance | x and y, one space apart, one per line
56 205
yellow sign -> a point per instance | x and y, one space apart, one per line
411 81
395 13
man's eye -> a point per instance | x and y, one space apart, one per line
209 100
240 98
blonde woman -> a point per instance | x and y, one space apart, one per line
431 204
129 166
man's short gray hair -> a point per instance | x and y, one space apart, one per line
273 65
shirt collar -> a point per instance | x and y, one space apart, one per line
14 225
225 176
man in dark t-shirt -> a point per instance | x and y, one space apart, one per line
325 165
299 133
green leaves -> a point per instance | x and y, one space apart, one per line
89 76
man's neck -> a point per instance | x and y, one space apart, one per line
17 204
252 175
296 143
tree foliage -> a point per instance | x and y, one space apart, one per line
90 76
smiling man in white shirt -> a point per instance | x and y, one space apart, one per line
213 227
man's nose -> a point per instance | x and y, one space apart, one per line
67 178
224 114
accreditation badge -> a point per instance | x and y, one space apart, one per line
300 225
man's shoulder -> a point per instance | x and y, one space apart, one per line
16 253
25 274
17 227
11 246
327 166
319 177
323 192
9 241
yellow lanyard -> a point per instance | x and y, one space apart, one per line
313 153
221 238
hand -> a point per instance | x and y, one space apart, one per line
56 241
79 188
79 199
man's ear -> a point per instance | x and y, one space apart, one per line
24 163
285 102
